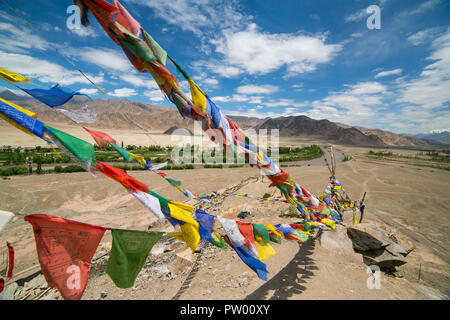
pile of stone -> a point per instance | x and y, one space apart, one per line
378 247
34 289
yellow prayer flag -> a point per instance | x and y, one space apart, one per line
11 76
329 222
271 227
198 96
138 158
189 231
265 250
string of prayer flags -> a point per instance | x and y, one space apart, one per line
65 249
5 216
129 252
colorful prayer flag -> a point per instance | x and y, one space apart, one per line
129 252
77 149
21 118
11 76
100 138
189 228
65 249
53 97
237 242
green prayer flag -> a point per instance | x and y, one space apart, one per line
261 231
138 48
301 236
158 52
124 153
173 182
80 149
275 239
129 252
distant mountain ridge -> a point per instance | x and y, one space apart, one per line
302 126
393 139
436 137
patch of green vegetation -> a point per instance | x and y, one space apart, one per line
297 154
13 171
207 166
380 154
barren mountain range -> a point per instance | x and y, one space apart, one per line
126 114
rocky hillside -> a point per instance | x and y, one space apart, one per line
324 130
393 139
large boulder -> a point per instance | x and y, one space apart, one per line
336 239
383 258
368 236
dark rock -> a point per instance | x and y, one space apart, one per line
367 236
243 214
383 258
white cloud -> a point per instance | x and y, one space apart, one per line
20 40
210 82
85 32
356 16
388 73
88 91
123 92
358 104
43 70
432 88
284 103
425 6
155 95
423 36
233 98
102 57
198 16
255 52
255 89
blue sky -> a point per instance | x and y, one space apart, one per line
259 58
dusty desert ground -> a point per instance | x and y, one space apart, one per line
411 202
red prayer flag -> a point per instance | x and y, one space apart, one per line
246 229
100 138
121 176
103 12
125 19
65 249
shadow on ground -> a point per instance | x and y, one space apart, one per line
291 279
